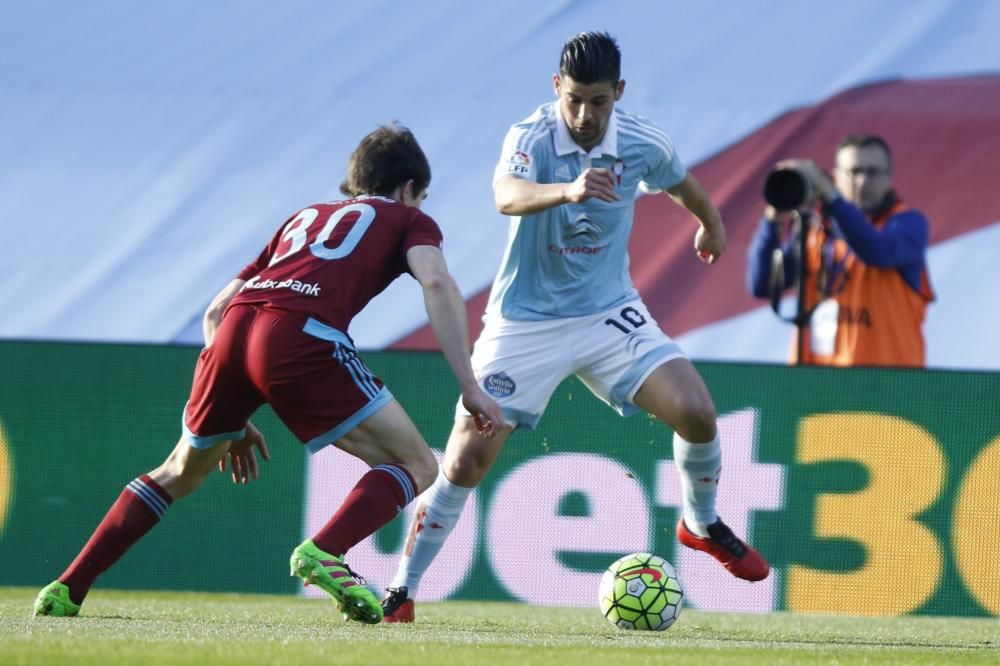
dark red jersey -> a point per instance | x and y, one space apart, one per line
328 260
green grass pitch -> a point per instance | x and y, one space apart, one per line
152 628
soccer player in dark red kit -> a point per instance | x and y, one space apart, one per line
278 334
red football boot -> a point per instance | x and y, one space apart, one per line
397 606
739 558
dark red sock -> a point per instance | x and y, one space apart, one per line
378 497
135 512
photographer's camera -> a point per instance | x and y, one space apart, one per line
787 190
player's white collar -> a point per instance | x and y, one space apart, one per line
361 197
565 144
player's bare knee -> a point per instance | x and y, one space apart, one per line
466 468
697 434
461 469
170 471
187 485
697 422
175 480
424 470
469 455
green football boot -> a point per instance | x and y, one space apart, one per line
54 600
333 576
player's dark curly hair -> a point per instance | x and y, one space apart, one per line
591 57
385 160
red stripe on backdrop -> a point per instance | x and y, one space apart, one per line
945 138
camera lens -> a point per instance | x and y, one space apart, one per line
786 189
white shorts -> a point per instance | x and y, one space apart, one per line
520 363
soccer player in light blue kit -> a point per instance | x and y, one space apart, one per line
563 304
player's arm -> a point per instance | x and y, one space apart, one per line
446 311
213 315
520 196
243 461
710 240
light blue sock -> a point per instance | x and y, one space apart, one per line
438 510
699 466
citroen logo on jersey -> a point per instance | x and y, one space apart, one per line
583 227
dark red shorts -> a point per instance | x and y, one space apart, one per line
308 372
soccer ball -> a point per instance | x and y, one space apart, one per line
641 591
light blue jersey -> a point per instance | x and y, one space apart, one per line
572 260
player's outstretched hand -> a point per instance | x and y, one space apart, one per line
593 183
485 412
242 459
710 244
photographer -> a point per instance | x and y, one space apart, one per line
867 285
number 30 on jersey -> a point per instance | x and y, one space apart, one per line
296 232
